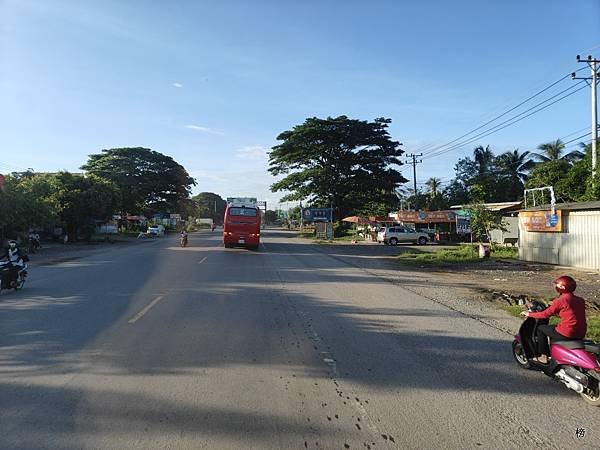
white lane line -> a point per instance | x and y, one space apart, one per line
139 315
202 260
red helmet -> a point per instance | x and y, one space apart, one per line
565 284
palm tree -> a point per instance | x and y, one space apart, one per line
433 184
553 151
515 165
484 158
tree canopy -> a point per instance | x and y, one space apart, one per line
149 180
340 161
210 205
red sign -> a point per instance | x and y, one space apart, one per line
2 181
446 216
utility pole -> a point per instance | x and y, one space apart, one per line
413 160
593 82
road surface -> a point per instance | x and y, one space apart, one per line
157 346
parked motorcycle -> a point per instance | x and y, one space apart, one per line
574 363
12 276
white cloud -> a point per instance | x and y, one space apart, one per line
178 85
254 152
204 129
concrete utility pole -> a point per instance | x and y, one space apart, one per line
413 160
593 82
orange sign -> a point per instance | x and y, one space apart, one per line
542 221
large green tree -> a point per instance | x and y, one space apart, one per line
81 200
25 201
210 205
149 181
340 161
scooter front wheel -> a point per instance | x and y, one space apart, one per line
519 355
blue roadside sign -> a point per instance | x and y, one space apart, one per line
316 214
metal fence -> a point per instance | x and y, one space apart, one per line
577 246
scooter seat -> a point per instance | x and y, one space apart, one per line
592 347
573 345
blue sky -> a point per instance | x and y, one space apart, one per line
213 83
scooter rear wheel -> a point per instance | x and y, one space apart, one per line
592 398
519 355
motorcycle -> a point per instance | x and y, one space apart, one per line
12 276
183 240
574 362
34 244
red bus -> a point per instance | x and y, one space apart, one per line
241 226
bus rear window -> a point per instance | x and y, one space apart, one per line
242 212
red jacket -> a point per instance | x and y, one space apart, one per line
571 310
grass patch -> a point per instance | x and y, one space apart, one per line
593 329
593 321
460 254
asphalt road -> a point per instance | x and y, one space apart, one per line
155 346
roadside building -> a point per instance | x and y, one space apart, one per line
567 236
510 221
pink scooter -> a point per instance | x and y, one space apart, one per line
574 363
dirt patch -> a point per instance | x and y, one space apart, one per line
505 282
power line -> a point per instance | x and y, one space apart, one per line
506 123
498 116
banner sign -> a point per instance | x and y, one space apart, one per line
316 214
242 200
446 216
541 221
463 225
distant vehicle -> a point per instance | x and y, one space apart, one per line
156 230
241 226
397 234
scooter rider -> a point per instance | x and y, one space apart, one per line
183 237
14 259
571 310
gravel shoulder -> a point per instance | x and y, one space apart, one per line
478 290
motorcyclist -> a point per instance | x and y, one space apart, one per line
212 227
183 237
34 241
571 310
13 258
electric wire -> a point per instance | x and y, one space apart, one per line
423 148
506 123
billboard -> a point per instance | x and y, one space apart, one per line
316 214
463 224
541 221
446 216
242 200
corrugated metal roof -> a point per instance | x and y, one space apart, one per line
575 206
498 206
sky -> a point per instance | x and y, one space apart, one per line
213 83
